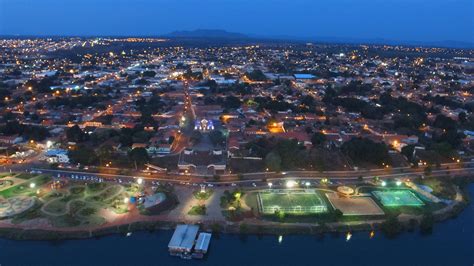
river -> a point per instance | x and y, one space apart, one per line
451 244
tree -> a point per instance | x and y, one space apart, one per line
217 137
366 150
83 155
231 102
318 138
462 117
273 161
75 134
139 156
427 170
391 227
196 136
256 75
408 151
445 122
105 152
426 224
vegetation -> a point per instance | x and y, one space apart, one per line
198 210
365 150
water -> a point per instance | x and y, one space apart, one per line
451 244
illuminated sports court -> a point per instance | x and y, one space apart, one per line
291 201
395 198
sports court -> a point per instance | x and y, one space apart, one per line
395 198
354 206
291 201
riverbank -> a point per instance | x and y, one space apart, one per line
249 226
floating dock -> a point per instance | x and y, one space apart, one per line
184 244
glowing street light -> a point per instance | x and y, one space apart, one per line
126 200
399 183
384 183
307 184
290 184
140 181
270 184
32 185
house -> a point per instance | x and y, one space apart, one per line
14 139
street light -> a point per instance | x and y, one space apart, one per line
32 185
399 183
307 184
290 184
384 183
139 181
270 184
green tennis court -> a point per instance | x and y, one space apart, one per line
394 198
288 201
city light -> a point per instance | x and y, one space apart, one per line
270 184
32 185
290 184
280 239
140 181
399 183
384 183
348 236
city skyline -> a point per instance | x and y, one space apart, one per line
394 20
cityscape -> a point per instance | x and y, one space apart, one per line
208 146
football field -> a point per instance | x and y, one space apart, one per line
289 201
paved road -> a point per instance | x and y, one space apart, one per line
256 180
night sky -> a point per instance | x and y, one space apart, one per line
404 20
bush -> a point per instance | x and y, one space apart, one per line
198 210
391 227
426 224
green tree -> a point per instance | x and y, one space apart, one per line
426 224
391 227
75 134
318 138
83 155
273 161
139 156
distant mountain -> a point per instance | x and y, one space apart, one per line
202 33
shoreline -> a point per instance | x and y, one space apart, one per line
256 227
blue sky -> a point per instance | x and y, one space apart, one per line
417 20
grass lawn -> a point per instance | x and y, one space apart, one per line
202 195
25 176
198 210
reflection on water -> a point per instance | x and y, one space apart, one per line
450 244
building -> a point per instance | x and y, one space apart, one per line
202 245
182 241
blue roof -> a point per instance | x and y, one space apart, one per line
304 76
54 152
